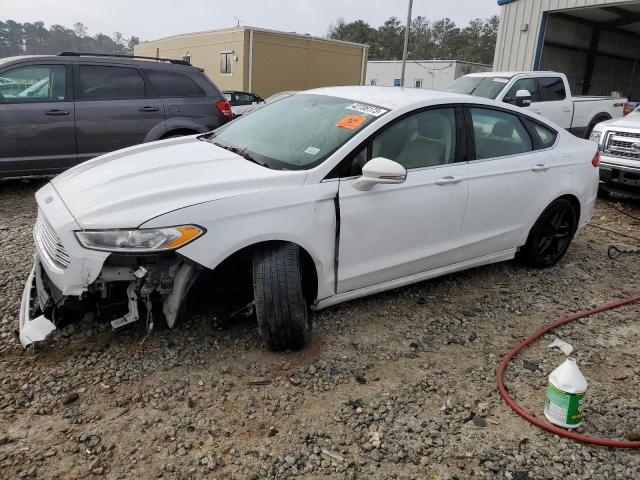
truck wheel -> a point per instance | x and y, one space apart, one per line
283 316
551 235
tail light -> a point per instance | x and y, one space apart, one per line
595 161
627 109
225 108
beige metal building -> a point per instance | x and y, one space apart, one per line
596 43
264 61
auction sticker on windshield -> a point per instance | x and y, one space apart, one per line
368 109
351 122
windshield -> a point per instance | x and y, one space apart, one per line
297 132
487 87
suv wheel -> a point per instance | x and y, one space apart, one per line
283 316
551 235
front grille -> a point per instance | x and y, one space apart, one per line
623 145
49 243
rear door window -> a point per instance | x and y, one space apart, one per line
174 84
97 82
498 134
552 89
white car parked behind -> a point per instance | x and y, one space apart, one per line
322 197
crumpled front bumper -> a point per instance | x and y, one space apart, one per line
38 328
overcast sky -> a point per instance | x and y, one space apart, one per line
151 19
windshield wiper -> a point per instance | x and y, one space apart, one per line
243 152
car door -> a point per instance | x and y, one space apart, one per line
509 181
554 103
186 104
114 109
529 83
393 231
36 119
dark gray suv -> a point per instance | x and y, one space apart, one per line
59 110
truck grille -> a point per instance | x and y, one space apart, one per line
49 243
621 145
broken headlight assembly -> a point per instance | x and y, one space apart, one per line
139 240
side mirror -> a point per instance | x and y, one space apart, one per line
380 170
523 98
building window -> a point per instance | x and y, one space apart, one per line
418 83
225 62
396 82
373 82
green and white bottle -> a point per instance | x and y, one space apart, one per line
565 394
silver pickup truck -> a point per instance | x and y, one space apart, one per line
547 94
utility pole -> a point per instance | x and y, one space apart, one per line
405 52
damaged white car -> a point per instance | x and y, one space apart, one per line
321 197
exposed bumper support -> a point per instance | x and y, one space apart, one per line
37 329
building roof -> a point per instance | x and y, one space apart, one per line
242 28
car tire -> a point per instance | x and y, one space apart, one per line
281 309
551 235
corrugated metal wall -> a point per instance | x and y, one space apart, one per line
516 49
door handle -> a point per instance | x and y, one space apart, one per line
566 109
537 110
540 167
149 109
56 112
449 180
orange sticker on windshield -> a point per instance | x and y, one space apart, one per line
351 122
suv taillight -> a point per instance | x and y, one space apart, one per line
595 161
627 109
225 108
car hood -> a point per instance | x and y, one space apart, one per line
629 121
128 187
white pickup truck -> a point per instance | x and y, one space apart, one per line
547 94
619 144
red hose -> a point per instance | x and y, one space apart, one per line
535 420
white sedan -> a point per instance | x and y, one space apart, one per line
322 197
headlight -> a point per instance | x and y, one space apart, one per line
139 240
595 136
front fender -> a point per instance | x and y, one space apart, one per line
304 215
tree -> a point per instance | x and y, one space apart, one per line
79 29
441 39
34 38
131 43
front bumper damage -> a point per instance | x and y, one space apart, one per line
33 329
127 290
67 280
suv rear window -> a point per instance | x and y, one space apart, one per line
174 84
109 83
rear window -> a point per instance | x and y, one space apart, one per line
109 83
552 89
174 84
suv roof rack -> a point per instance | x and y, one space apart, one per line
116 55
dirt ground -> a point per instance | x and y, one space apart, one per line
398 385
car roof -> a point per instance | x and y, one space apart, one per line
389 97
236 91
89 58
510 74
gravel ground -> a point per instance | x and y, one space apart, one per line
399 385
